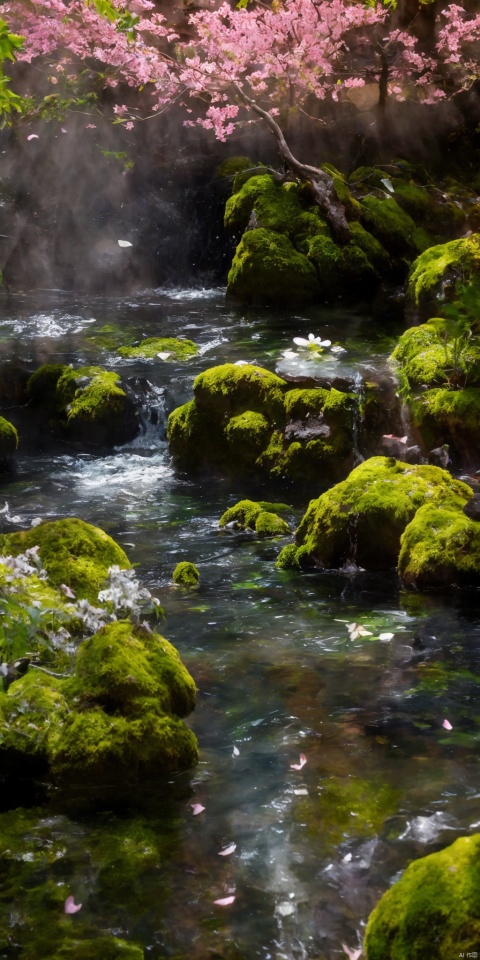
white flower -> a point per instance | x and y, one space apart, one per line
241 363
290 355
312 341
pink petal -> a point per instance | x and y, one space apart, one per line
352 954
63 129
33 136
228 850
298 766
225 902
71 906
235 752
197 808
447 725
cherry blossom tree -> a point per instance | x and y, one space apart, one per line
257 61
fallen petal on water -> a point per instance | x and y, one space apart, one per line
447 725
300 764
235 752
225 902
197 808
228 850
71 906
124 243
386 636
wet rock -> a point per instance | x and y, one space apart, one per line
436 893
306 429
261 518
440 456
389 513
472 508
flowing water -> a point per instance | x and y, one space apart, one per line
277 674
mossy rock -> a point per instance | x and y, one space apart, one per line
42 385
428 356
73 553
440 547
95 406
266 268
8 439
102 948
307 225
275 205
251 515
352 207
121 664
415 200
150 348
116 720
186 574
361 519
245 420
436 272
341 269
96 748
376 255
436 901
442 415
391 225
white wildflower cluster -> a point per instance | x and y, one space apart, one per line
125 593
24 565
93 617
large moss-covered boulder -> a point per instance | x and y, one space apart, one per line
438 271
275 205
87 404
266 268
186 574
245 420
361 520
116 720
449 416
433 908
390 224
74 553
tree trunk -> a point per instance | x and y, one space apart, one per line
321 182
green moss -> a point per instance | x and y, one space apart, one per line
267 269
186 574
275 205
122 663
448 416
250 515
42 385
73 553
437 900
228 390
391 225
422 240
8 439
440 547
300 404
102 948
415 200
232 166
90 394
444 264
307 225
348 807
32 710
340 267
247 434
148 349
362 519
95 747
373 250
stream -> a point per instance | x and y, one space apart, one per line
278 675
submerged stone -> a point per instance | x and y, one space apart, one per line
186 574
436 900
164 347
361 520
8 443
